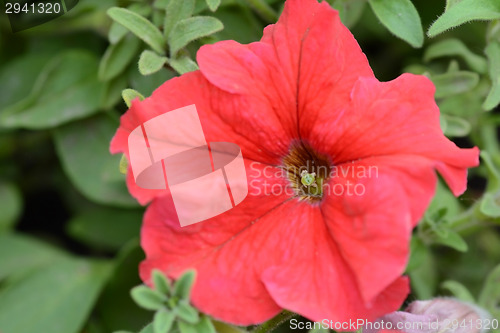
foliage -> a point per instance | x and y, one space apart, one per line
69 229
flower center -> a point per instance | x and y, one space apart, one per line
307 170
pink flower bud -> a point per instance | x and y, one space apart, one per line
432 316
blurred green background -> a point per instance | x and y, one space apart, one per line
69 230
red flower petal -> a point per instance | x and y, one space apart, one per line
313 279
307 63
393 118
370 211
228 251
339 259
224 117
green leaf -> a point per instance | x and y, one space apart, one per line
493 32
465 11
418 252
454 83
455 126
115 308
10 205
187 313
183 64
493 53
112 91
148 329
186 327
350 11
17 77
106 228
140 27
492 170
221 327
182 287
163 321
213 4
490 295
150 62
455 47
205 325
161 282
57 298
459 291
490 205
147 298
177 11
123 166
117 57
161 4
147 84
129 95
83 149
424 279
19 254
401 18
62 92
452 239
118 31
190 29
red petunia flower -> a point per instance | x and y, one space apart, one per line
309 115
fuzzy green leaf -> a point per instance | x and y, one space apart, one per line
213 4
129 95
465 11
493 53
451 239
182 287
161 282
147 298
140 27
117 57
186 327
150 62
459 291
190 29
148 329
401 18
183 64
453 83
187 313
490 205
116 32
350 11
177 11
455 126
163 321
455 47
123 166
490 295
205 325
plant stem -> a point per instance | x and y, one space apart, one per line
275 322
